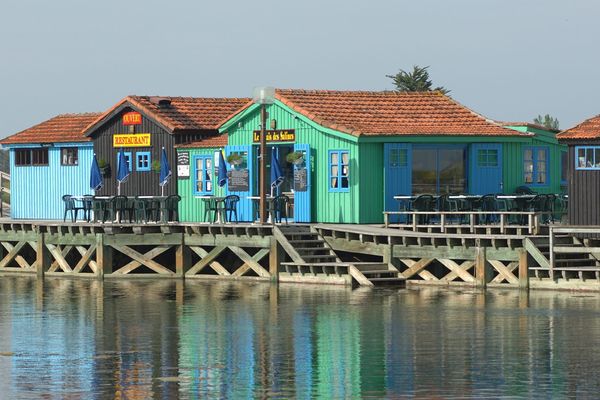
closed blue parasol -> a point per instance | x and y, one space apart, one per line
222 170
276 173
122 170
165 171
95 175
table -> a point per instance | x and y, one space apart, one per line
256 200
219 211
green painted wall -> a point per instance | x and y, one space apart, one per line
191 209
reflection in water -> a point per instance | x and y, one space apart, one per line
164 339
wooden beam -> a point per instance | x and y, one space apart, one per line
58 257
506 273
42 261
207 259
523 270
256 267
86 259
454 267
414 267
132 265
274 259
480 269
144 259
104 257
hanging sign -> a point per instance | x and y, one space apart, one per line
136 140
132 118
279 135
183 164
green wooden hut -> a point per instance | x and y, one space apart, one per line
359 149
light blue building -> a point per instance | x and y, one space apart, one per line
47 161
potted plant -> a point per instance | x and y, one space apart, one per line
156 166
104 167
295 157
234 159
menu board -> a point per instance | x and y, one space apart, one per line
239 180
300 180
183 164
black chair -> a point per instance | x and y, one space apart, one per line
169 209
277 209
87 207
539 203
117 207
142 212
423 202
210 209
99 209
70 206
487 203
524 190
445 203
228 207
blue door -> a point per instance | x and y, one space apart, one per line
486 168
302 185
398 173
241 181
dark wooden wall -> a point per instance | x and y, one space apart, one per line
584 191
143 183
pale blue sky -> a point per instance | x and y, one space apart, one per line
506 59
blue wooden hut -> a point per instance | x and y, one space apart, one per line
47 161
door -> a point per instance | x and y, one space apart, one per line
398 175
302 185
241 181
486 168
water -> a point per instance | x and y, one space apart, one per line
78 339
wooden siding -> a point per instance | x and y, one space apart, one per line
584 192
36 191
343 207
371 182
143 183
191 209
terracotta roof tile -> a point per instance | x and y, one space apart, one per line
588 129
183 113
390 113
62 128
212 141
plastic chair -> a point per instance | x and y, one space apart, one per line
228 207
445 203
87 207
210 209
99 209
71 207
524 190
278 208
141 210
117 207
424 202
169 209
488 203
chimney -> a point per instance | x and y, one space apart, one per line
161 102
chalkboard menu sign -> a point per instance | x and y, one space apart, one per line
239 180
183 165
300 180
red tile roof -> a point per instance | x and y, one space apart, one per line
390 113
183 113
62 128
212 141
588 129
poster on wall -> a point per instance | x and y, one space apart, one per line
183 164
300 180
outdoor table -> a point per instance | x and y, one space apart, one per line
256 205
219 201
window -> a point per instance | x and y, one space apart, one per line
203 175
398 158
37 157
338 171
587 157
69 156
127 158
564 167
142 161
487 158
535 165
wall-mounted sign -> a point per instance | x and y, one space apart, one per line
300 180
136 140
183 164
280 135
132 118
239 180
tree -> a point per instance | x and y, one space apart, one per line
547 121
416 81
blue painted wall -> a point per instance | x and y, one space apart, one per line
36 192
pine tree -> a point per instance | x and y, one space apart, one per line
547 121
416 81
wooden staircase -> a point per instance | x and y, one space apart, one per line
311 254
572 260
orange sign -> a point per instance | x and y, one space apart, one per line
132 118
137 140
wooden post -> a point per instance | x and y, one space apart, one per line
103 257
182 258
274 259
551 254
480 270
43 260
523 270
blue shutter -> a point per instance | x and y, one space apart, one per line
486 178
398 173
245 206
302 199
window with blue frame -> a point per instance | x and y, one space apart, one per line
535 165
339 166
127 158
487 158
587 157
203 175
142 161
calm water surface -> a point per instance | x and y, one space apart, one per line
74 339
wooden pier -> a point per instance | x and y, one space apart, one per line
362 255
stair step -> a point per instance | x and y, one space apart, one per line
379 271
300 241
311 248
319 256
388 281
572 260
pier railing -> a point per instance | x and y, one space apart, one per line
529 221
580 253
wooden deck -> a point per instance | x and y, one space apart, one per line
365 255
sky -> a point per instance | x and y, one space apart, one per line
509 60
